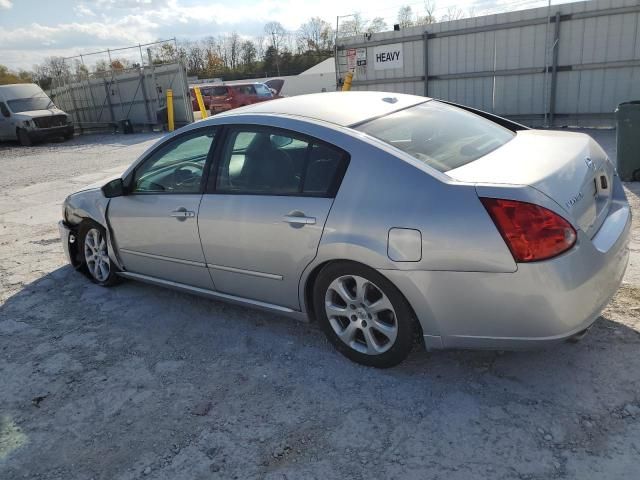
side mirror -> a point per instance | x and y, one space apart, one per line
5 111
115 188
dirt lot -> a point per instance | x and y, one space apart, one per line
141 382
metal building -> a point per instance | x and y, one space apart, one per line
569 64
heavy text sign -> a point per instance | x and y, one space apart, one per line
387 56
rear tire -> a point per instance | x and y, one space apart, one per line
94 254
363 315
24 138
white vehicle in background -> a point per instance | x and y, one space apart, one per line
27 114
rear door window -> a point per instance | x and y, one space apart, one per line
266 161
442 136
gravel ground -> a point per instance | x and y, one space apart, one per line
142 382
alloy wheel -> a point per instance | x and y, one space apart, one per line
361 315
96 256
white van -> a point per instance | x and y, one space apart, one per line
27 114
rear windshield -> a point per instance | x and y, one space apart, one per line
440 135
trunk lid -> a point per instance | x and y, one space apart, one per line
568 167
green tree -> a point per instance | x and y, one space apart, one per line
249 54
8 77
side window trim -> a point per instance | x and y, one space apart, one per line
130 178
305 167
224 136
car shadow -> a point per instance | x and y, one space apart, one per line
133 308
147 366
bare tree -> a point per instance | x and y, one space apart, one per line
193 56
222 50
165 53
101 66
357 25
377 25
233 47
79 68
213 56
453 13
55 67
261 46
405 16
276 34
354 26
316 34
288 42
429 14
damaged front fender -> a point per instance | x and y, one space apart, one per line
89 204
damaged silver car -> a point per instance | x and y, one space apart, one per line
384 217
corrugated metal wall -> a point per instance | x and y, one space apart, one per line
103 100
570 65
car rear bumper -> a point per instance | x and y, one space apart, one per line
541 303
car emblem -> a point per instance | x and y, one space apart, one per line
574 200
590 163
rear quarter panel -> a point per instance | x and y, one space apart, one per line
381 191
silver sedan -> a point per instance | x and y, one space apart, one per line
389 219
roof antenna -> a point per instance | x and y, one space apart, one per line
390 99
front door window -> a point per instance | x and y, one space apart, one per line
176 168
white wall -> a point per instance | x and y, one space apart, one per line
497 62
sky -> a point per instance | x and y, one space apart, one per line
31 30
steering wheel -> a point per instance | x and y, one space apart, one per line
185 177
195 165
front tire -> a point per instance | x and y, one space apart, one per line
364 315
24 138
95 256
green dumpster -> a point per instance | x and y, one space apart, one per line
628 140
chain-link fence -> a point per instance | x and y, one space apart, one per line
123 88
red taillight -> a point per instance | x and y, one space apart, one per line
531 232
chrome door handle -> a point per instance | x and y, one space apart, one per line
182 213
299 220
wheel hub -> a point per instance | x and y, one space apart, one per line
361 314
96 256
